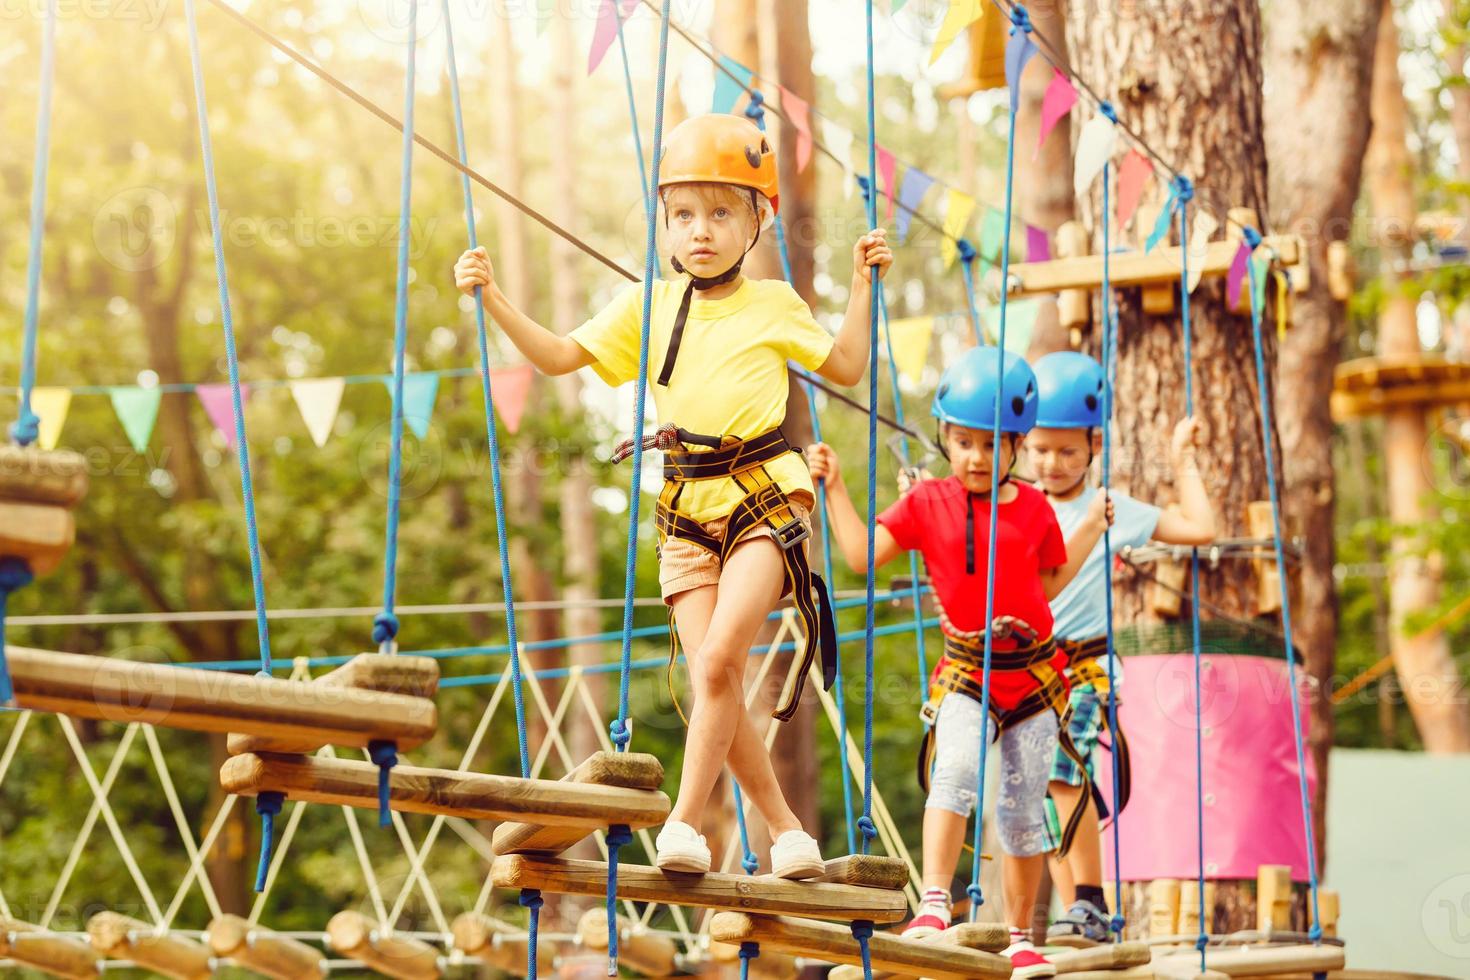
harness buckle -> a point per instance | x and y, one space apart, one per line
929 713
792 533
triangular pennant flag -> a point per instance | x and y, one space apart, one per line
839 143
992 235
50 406
1020 323
608 16
1236 275
960 15
1199 246
915 184
799 113
1059 99
511 386
219 405
887 168
1260 267
1132 176
910 337
545 10
420 389
897 6
1038 244
1165 218
137 410
727 90
1095 146
1019 50
318 400
956 216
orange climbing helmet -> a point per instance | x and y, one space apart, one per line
720 148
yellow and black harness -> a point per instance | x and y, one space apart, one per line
1083 668
765 504
955 674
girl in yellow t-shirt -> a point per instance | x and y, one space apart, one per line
735 511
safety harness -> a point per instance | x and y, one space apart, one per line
1083 668
765 504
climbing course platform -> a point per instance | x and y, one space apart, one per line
1370 386
629 770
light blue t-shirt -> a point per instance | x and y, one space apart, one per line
1080 610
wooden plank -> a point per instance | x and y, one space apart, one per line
1105 956
991 937
762 893
1268 575
1189 913
354 936
1074 310
868 870
41 949
450 792
639 949
1256 961
500 945
631 770
42 534
769 965
835 944
387 673
119 937
1165 592
214 701
1136 268
54 476
1163 906
1273 898
1329 908
232 937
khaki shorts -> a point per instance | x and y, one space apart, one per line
684 565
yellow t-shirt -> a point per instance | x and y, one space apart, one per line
730 378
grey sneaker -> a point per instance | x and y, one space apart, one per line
1083 920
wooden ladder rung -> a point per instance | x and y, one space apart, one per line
990 937
500 945
41 949
353 935
119 937
630 770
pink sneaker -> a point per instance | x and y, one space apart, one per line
1026 962
924 925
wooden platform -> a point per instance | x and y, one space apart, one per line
260 950
40 949
835 944
449 792
762 893
214 701
1161 266
1370 386
119 937
630 770
43 476
1180 963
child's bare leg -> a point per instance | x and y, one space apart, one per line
1084 860
750 586
944 836
1020 881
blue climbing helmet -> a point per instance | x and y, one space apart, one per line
966 394
1070 391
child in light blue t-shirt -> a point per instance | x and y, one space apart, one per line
1060 449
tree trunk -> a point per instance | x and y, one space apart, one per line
1456 23
1428 674
1319 58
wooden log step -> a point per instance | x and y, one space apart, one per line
762 893
353 935
991 937
41 949
770 965
450 792
499 945
1104 956
232 937
42 534
119 937
630 770
1255 961
868 870
214 701
416 677
835 944
649 953
54 476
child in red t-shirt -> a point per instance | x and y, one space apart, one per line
949 522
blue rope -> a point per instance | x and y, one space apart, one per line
384 754
865 823
976 893
27 426
618 835
1253 238
268 804
15 573
491 428
622 733
532 901
862 931
1185 193
967 267
748 952
748 861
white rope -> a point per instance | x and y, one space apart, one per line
196 866
186 833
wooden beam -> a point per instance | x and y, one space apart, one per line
232 937
1105 956
450 792
500 945
1163 906
991 937
41 949
639 949
387 673
1273 898
630 770
214 701
1136 268
55 476
835 944
1328 906
1189 911
119 937
42 534
1262 527
868 870
760 893
1255 961
354 936
1074 309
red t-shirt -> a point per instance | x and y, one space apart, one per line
930 519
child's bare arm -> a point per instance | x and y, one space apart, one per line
849 357
850 530
1194 520
551 353
1079 546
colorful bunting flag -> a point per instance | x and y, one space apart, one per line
1059 99
609 15
511 387
1237 275
1199 246
1020 323
1038 244
910 337
219 406
420 389
318 400
1165 218
915 184
1260 265
1132 176
727 90
956 216
799 113
887 168
992 235
1019 50
137 409
1095 146
961 14
50 406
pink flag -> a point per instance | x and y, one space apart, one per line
1059 99
1132 176
219 405
1233 281
607 30
799 113
510 387
1038 246
886 170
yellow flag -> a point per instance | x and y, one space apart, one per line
910 338
960 15
51 405
956 217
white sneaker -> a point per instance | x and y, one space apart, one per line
795 854
681 848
